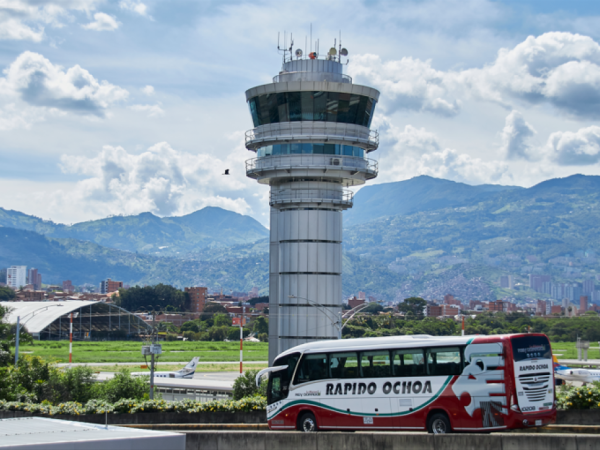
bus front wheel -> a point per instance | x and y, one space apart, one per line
439 424
307 423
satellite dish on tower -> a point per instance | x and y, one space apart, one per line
298 53
332 51
344 52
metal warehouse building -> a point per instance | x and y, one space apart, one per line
91 320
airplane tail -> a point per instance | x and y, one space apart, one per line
193 363
555 363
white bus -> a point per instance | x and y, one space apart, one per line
422 382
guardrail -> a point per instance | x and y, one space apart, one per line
334 162
333 196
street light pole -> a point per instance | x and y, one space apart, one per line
152 358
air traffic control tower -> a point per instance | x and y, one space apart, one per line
311 137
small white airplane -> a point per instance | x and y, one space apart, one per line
187 372
574 374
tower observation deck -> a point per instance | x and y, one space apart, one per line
311 137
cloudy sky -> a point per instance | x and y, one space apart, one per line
122 107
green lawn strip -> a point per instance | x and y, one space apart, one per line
127 351
174 367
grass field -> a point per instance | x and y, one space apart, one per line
173 367
126 351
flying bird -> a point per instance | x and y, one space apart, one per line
226 172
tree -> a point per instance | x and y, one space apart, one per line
8 335
413 305
6 293
373 308
157 297
260 325
255 300
245 386
222 320
213 308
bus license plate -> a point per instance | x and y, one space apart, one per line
368 420
538 423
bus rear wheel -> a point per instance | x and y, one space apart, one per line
307 423
439 424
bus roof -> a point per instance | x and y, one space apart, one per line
417 340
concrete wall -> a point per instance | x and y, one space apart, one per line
153 418
288 440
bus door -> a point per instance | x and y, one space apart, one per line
409 386
482 384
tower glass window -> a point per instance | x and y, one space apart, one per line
322 149
315 106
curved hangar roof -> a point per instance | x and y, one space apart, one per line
37 316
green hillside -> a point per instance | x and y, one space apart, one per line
422 193
146 233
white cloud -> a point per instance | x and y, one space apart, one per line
102 22
134 6
515 136
161 180
25 20
152 110
148 90
415 151
38 83
559 68
575 148
406 84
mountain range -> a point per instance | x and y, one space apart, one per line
423 236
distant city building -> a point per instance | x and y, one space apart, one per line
583 304
536 282
432 310
35 278
556 310
107 286
450 300
588 286
197 298
261 306
253 292
68 286
540 309
16 277
507 282
354 302
361 295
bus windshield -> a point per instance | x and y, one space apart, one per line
531 347
279 382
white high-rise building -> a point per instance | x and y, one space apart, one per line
311 140
16 277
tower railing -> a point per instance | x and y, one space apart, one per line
333 196
312 76
307 161
307 131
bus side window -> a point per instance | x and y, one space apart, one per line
444 361
375 364
344 365
312 367
409 362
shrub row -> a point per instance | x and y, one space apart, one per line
131 406
578 397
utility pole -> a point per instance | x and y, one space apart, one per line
242 338
152 356
70 338
17 342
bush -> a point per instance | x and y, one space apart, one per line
132 406
123 385
581 397
245 386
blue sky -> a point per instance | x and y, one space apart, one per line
121 107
